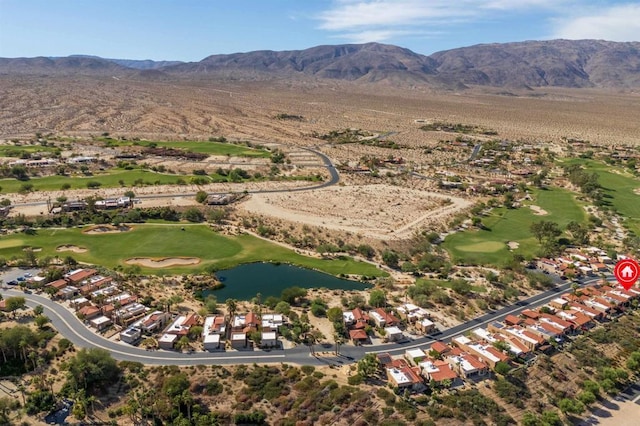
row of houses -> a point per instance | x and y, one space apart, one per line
357 321
216 330
587 261
518 336
96 298
52 162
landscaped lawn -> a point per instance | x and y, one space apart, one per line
489 247
107 179
169 240
618 185
18 150
210 148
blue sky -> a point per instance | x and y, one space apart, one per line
190 30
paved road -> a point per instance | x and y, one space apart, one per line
333 179
474 153
73 329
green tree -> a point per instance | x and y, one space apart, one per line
545 230
14 303
377 298
334 314
368 366
201 197
390 258
92 367
293 294
193 214
41 321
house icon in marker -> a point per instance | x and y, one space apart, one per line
627 272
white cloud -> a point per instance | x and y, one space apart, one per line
377 20
367 36
346 15
617 23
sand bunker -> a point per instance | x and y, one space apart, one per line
107 229
33 249
513 245
162 262
538 211
71 247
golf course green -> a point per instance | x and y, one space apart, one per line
166 240
489 246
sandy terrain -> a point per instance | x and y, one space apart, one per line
107 229
72 248
538 211
180 109
164 262
625 413
377 211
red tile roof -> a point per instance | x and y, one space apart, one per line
57 284
82 274
358 334
440 347
512 320
444 372
474 361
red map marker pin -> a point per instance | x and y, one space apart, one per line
627 272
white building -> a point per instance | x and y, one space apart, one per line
269 339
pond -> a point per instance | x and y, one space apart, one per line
269 279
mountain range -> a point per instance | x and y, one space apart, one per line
556 63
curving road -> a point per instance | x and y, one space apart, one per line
73 329
333 172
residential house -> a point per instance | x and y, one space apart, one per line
272 322
383 318
559 303
153 322
467 365
269 339
131 335
76 276
79 302
440 348
246 323
182 324
393 334
57 284
531 340
238 340
358 336
355 318
88 312
414 356
437 371
213 331
100 323
167 341
486 353
130 313
67 292
412 313
405 377
425 325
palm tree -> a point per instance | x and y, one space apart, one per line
259 303
92 400
232 306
